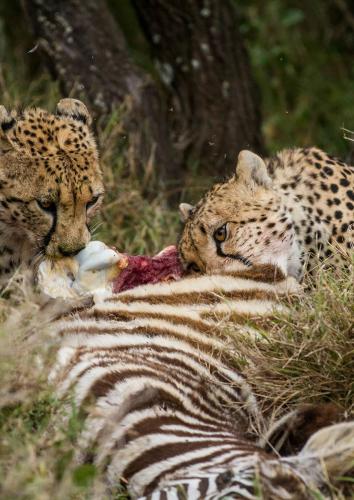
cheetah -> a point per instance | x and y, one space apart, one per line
300 202
50 184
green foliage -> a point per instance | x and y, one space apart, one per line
302 58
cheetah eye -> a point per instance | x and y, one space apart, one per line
47 206
220 234
93 202
192 266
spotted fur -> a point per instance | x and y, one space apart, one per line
50 183
168 412
301 199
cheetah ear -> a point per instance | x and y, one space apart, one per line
251 169
7 122
75 109
185 210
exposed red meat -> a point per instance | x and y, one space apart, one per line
142 269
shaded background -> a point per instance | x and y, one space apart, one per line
178 88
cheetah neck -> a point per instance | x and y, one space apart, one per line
292 179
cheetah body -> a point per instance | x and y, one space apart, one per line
301 198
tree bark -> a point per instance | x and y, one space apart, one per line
86 51
207 109
214 104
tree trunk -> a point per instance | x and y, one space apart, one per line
214 106
209 110
87 53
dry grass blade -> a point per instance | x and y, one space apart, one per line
308 355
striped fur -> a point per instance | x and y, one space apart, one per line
166 410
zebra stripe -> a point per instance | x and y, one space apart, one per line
166 409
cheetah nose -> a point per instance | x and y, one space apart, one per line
66 252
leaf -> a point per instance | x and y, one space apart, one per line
293 17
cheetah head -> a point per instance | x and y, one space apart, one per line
50 178
239 223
